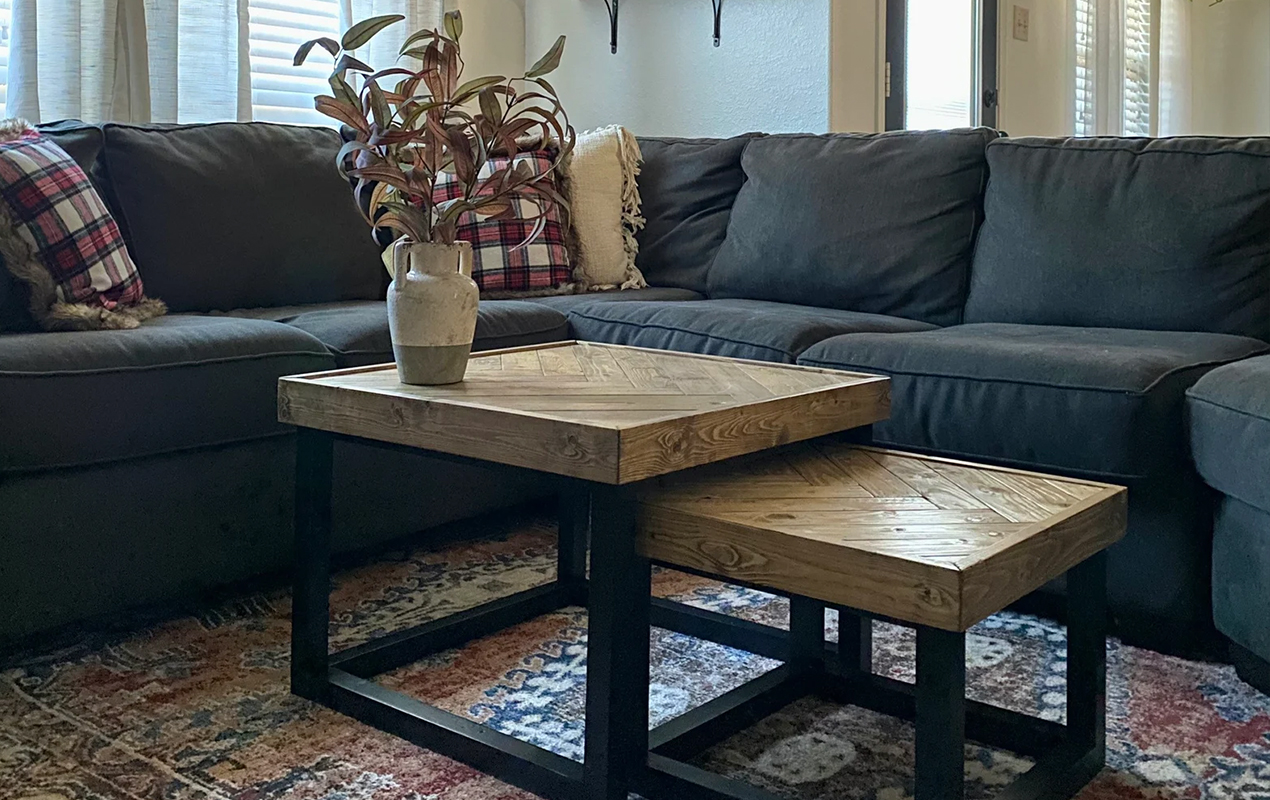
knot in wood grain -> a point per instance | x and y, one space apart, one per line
729 556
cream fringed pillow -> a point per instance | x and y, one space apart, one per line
604 209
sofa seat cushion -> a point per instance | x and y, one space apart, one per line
174 383
752 329
564 302
357 333
1230 430
1097 401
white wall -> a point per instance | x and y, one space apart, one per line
1034 76
1230 43
493 36
772 72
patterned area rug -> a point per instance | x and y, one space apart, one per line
198 707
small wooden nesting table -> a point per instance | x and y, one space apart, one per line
603 419
930 543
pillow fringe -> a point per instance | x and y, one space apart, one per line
632 219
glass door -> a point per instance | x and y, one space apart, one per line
941 64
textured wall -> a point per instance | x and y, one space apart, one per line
771 74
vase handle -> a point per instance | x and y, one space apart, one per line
400 262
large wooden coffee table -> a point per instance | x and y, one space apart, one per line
931 543
604 420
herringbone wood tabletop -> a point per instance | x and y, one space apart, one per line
602 412
926 540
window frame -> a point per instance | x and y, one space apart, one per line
986 74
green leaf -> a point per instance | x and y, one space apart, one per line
364 31
454 24
417 36
490 107
329 45
348 62
548 63
342 91
378 104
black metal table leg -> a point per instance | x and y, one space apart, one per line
806 634
575 531
617 650
310 603
941 714
855 642
1087 653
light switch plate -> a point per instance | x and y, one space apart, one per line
1022 22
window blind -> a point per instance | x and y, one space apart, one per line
5 28
1137 68
1086 91
1113 68
281 92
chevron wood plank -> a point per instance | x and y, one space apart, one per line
933 486
939 542
600 412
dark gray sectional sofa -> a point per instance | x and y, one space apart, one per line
1045 304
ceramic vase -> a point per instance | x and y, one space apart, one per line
432 303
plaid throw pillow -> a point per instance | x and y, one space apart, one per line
539 268
57 237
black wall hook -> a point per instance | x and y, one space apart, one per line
612 6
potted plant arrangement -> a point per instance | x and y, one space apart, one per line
404 127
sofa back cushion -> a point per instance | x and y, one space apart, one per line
1164 234
879 223
687 187
240 215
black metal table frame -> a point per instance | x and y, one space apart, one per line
1068 756
620 753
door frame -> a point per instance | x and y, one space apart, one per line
986 15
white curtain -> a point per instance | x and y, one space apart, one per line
76 58
1176 68
200 69
382 51
129 60
1134 67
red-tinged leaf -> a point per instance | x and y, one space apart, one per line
539 227
385 173
343 112
329 45
494 208
364 31
461 151
548 63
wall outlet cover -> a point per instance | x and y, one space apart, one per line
1022 22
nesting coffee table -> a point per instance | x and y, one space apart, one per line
602 419
931 543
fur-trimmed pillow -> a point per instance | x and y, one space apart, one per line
58 238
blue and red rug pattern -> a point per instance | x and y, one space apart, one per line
198 706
